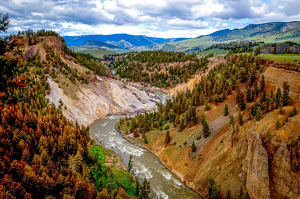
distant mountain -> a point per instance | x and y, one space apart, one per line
217 33
97 44
267 32
120 40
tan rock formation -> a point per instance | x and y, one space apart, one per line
255 165
284 180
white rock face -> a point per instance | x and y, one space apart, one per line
100 99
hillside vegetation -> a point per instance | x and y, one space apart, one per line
238 126
42 153
158 68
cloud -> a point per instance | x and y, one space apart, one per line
167 18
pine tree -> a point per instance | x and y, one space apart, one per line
256 91
287 51
226 110
194 147
206 106
293 112
258 113
280 109
278 124
167 138
145 139
240 98
241 121
248 95
206 131
177 119
278 97
145 189
258 51
108 188
228 195
262 84
193 115
100 184
274 51
137 187
130 163
231 120
213 190
285 97
182 124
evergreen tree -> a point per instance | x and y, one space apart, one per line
226 110
280 109
258 51
167 138
247 196
228 195
145 139
258 113
287 51
285 97
146 189
182 124
137 187
241 195
193 115
177 119
206 131
262 84
100 184
213 190
240 98
248 95
274 51
231 120
108 188
241 121
293 112
206 106
278 98
256 91
130 163
194 147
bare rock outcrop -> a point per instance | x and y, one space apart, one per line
255 165
284 180
99 99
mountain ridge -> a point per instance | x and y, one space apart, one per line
92 43
135 40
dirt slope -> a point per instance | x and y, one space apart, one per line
85 103
256 157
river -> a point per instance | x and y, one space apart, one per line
163 183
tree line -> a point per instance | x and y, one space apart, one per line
238 73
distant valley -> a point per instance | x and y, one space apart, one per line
98 45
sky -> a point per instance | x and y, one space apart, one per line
156 18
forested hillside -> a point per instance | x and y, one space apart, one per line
158 68
240 103
42 153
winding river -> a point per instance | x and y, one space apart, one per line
163 183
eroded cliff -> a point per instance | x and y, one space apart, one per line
260 158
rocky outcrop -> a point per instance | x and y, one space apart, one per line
284 180
255 165
100 98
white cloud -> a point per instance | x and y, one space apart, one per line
163 18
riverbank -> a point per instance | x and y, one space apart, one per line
123 134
